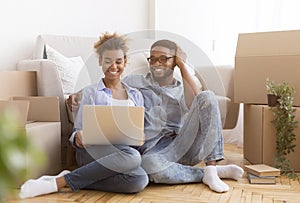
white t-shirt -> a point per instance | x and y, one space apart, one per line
122 102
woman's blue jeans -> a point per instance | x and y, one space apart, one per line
114 168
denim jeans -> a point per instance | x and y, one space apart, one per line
172 159
108 168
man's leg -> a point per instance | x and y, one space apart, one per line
194 155
199 139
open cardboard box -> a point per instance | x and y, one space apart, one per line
260 136
40 118
273 55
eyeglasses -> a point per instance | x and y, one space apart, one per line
161 59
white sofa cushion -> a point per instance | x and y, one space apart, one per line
71 46
68 68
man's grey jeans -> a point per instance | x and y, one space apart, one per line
172 159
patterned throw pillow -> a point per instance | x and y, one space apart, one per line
68 68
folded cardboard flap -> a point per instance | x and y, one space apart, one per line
273 55
279 43
43 109
17 83
19 109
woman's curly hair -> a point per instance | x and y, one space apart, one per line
110 42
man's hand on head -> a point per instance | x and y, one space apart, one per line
180 57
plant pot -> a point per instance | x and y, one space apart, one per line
272 100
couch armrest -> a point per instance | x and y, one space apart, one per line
219 79
48 80
226 73
49 84
224 103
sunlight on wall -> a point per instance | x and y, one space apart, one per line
22 21
214 25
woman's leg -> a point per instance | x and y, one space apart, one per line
111 162
123 159
130 182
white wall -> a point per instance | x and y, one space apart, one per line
214 25
21 21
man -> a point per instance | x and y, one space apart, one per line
182 123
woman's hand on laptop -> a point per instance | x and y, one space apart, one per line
78 139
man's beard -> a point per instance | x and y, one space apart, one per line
165 74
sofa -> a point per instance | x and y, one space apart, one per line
78 55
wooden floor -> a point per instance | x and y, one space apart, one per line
285 190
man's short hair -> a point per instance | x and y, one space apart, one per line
165 43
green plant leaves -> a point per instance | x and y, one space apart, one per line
285 124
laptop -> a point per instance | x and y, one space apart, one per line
105 125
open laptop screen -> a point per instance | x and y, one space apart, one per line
104 125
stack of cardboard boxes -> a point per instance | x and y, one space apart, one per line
38 116
273 55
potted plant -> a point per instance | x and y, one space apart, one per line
284 123
272 93
15 151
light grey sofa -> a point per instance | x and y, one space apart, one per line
49 81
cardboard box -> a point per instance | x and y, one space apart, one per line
17 83
47 137
40 118
43 109
273 55
260 136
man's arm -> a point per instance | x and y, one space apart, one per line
74 100
191 84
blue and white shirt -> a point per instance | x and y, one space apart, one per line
165 107
98 94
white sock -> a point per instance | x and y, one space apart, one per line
212 180
32 188
230 171
61 174
43 185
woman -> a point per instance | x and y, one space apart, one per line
112 168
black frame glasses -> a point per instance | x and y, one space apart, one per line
161 59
